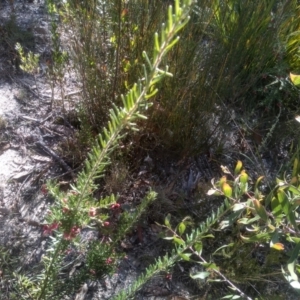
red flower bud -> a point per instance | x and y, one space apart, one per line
48 229
116 206
65 210
93 272
44 189
70 235
109 261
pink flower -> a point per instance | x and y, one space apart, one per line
47 229
106 223
70 235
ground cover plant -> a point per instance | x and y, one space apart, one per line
231 73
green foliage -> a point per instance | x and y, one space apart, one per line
183 244
231 55
29 61
77 208
59 58
265 219
290 35
247 36
253 219
231 52
100 260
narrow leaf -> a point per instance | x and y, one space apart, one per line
238 206
283 200
181 228
260 210
210 266
244 177
211 192
295 285
238 167
294 254
198 248
294 190
185 256
259 179
256 238
179 241
227 190
200 275
167 220
295 167
276 207
291 268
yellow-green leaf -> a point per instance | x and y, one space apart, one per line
271 227
295 79
210 266
294 190
278 246
198 247
223 180
260 237
185 256
244 177
227 190
181 228
238 167
179 241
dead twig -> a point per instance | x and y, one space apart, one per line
50 152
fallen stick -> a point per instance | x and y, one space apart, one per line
56 157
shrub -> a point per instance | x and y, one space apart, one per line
231 51
77 208
253 220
